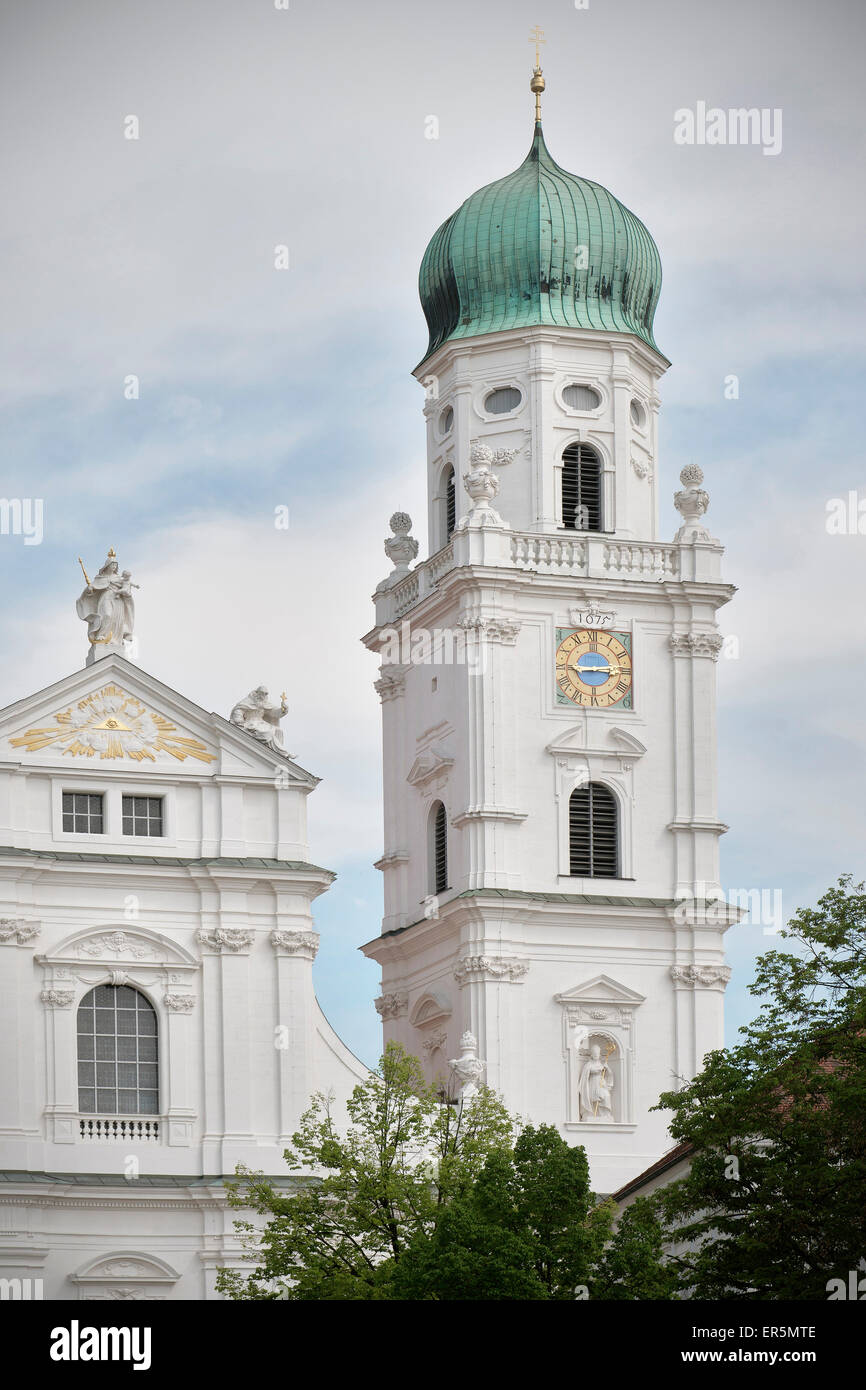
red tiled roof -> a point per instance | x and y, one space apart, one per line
661 1164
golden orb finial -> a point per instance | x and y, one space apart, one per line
536 86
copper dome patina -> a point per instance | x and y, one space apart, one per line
540 246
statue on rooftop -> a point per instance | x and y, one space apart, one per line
107 605
257 716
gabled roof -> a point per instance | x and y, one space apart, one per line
115 716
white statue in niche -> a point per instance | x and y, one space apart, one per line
595 1087
257 716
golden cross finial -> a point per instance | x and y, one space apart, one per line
537 83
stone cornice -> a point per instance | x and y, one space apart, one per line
148 861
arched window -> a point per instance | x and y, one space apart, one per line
581 488
438 849
117 1053
593 832
450 505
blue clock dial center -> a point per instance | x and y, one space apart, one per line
587 666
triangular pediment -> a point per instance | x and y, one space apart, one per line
601 989
434 762
117 717
616 743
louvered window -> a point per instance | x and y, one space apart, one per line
450 505
503 400
581 488
593 832
581 397
117 1053
440 849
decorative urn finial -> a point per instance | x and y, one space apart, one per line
401 548
691 503
482 484
468 1067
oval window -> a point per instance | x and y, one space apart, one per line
638 414
580 397
501 401
446 420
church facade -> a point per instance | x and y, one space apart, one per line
551 855
158 1023
554 919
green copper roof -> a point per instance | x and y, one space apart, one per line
506 258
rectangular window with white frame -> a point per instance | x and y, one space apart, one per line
83 813
142 815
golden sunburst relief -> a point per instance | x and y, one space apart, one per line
112 724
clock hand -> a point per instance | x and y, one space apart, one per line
614 670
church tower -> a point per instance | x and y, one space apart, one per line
548 684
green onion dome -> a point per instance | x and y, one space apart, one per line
540 246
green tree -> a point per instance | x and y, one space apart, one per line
773 1205
387 1180
634 1265
529 1228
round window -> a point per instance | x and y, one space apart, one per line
501 401
580 397
638 414
446 420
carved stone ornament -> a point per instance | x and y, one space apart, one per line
491 629
57 998
482 484
691 504
295 943
179 1003
701 976
233 939
594 615
468 1067
505 969
392 1005
400 547
116 943
697 644
642 468
434 1043
479 452
14 931
111 724
391 683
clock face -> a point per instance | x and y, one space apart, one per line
593 668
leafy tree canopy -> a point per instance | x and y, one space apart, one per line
773 1205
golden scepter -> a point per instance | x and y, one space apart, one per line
84 572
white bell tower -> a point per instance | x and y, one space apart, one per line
548 686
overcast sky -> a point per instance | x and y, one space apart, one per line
258 387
